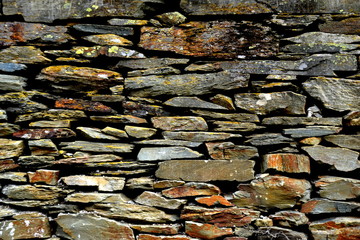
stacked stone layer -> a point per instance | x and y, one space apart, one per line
159 120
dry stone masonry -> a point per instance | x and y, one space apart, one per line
180 119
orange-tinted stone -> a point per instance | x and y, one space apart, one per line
44 133
84 105
7 165
191 189
214 200
25 228
50 177
205 231
287 162
153 237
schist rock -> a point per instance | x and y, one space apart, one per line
23 54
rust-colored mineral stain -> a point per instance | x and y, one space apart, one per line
17 30
44 133
214 200
84 105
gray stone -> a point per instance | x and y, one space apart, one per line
140 132
10 148
186 84
23 54
154 71
12 83
132 212
264 233
166 153
241 117
104 29
230 151
12 67
224 7
87 226
289 218
97 147
321 37
199 136
31 203
48 11
294 121
3 115
95 197
227 126
150 63
206 170
321 206
345 141
127 22
157 200
7 129
168 142
319 48
39 192
14 177
43 147
335 93
180 123
345 26
115 132
36 161
311 131
108 51
108 39
338 188
267 139
51 124
266 103
145 183
20 102
109 184
192 102
294 21
335 228
125 119
94 134
341 159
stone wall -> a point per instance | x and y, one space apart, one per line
179 119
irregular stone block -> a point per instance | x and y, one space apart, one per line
153 237
294 121
268 139
97 147
88 226
192 102
215 39
224 101
3 115
20 102
224 7
213 201
157 229
265 232
6 165
156 200
230 151
27 228
50 177
150 63
52 114
319 48
84 105
272 192
95 197
11 83
132 212
345 141
142 110
31 203
43 147
227 126
126 119
51 124
286 162
166 153
289 218
241 117
114 132
23 54
165 142
161 184
180 123
191 189
104 29
205 231
321 37
12 67
185 84
221 217
206 170
335 93
95 134
337 188
99 158
322 206
40 192
48 11
154 71
45 133
199 136
14 177
311 131
145 183
345 26
335 228
109 184
7 129
108 51
140 132
36 161
108 39
341 159
127 22
10 148
21 32
266 103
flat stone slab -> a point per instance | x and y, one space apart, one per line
286 162
97 147
166 153
338 188
206 170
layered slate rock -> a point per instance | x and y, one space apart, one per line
206 170
94 133
192 102
12 83
157 228
156 200
337 188
42 192
308 121
222 217
341 159
52 114
336 228
290 163
23 54
109 184
96 197
108 51
104 29
84 105
50 177
185 85
272 192
267 139
230 151
345 141
148 63
166 153
289 218
311 131
26 228
335 93
97 147
224 7
199 136
163 237
278 102
191 189
140 132
87 226
322 206
10 148
40 11
180 123
108 39
213 201
44 133
264 233
345 26
216 39
205 231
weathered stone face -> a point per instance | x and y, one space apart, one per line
337 188
180 123
205 231
290 163
321 206
23 54
230 151
191 189
26 228
337 227
9 148
226 39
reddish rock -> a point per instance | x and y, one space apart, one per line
8 164
79 104
287 162
27 228
272 192
216 39
205 231
12 33
338 188
153 237
50 177
191 189
340 228
157 229
228 151
167 184
222 217
44 133
214 200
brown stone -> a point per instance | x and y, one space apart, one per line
119 119
96 197
21 32
346 26
40 192
191 189
108 39
213 201
338 188
23 54
230 151
153 237
286 162
43 147
8 164
199 136
44 133
161 184
216 39
37 227
222 217
289 218
224 101
157 229
272 192
52 114
156 200
180 123
205 231
336 228
109 184
79 104
50 177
